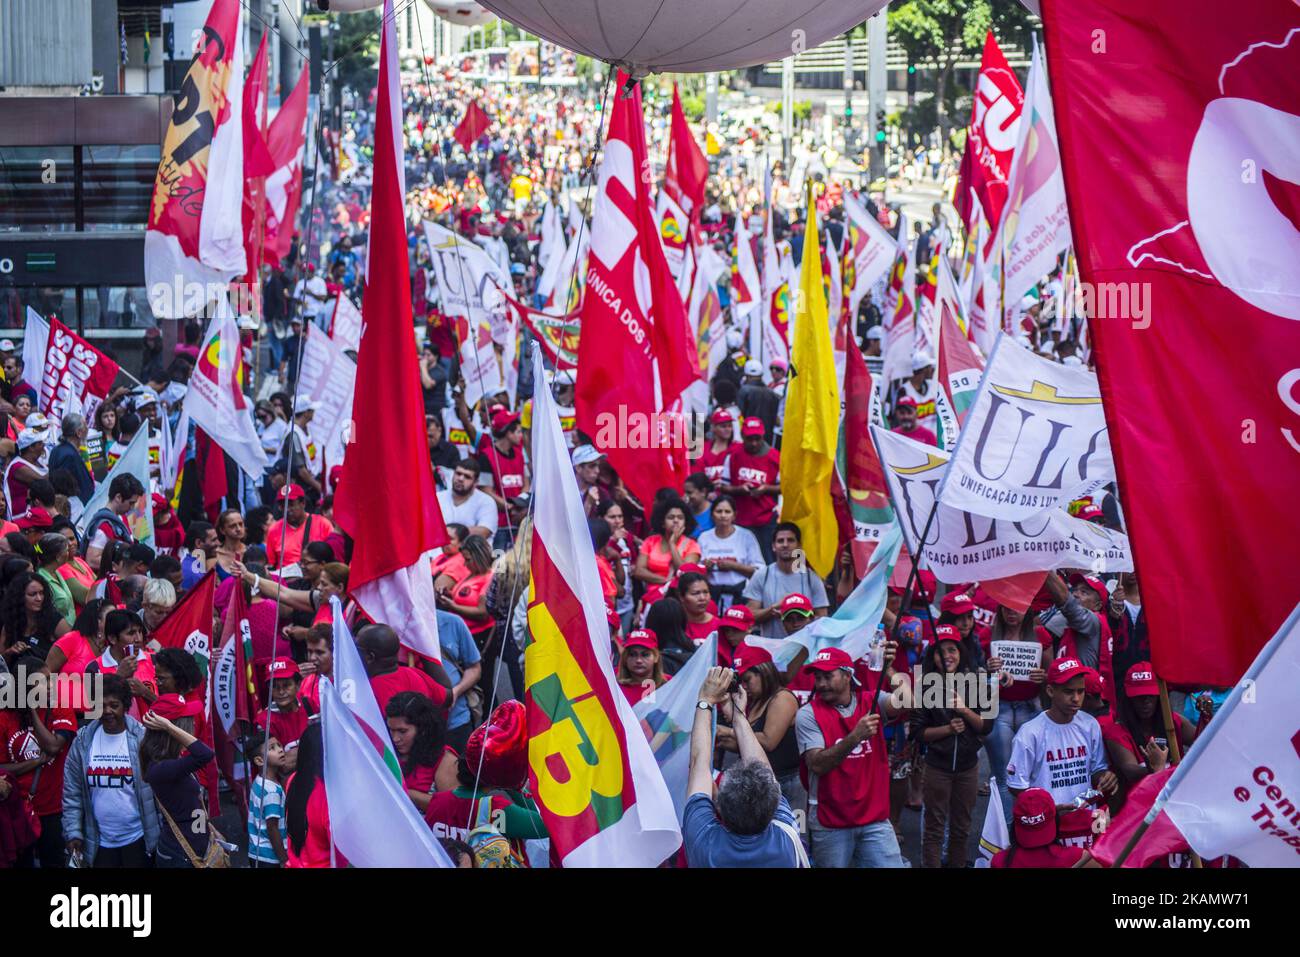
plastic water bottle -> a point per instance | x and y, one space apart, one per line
876 650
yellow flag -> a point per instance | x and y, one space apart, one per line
812 414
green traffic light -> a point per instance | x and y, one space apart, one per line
880 136
910 68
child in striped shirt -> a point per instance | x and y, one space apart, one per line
266 801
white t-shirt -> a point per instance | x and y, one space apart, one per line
272 437
112 789
478 509
740 546
1061 758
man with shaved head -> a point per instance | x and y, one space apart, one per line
380 650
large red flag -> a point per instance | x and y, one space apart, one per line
386 499
1181 153
257 158
73 369
474 124
858 464
633 353
1160 839
286 139
991 135
687 168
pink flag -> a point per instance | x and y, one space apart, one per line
388 460
1159 839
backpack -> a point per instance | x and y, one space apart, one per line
491 848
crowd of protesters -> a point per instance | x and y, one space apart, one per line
818 760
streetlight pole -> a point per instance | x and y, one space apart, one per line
787 112
877 40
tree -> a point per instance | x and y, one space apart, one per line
944 31
356 51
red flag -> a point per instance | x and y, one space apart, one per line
188 627
1159 839
73 367
257 158
991 135
633 353
558 336
687 167
1182 196
474 124
961 194
1017 592
388 461
287 140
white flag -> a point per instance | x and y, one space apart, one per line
345 326
215 399
134 461
962 547
373 821
667 715
1035 438
551 254
1237 790
995 837
328 378
1035 222
870 252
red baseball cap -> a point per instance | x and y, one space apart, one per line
291 492
796 602
613 619
688 568
946 633
35 517
282 668
1096 584
1141 680
503 419
829 659
1034 817
1092 683
173 706
1063 669
907 401
642 638
1090 513
749 656
957 603
721 417
738 617
753 426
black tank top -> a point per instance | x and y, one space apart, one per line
785 757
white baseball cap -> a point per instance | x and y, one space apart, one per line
7 345
585 454
875 332
920 360
306 405
29 437
753 367
564 377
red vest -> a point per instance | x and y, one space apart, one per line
856 792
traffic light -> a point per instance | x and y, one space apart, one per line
880 127
911 80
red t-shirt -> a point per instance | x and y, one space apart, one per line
711 462
406 679
49 788
699 631
508 473
321 529
635 692
316 847
285 726
448 814
741 468
919 434
1050 855
468 591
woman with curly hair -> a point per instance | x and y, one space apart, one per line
29 622
668 548
418 730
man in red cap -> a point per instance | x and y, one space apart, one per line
1061 750
847 768
287 536
908 425
751 475
796 612
1033 821
503 459
1079 624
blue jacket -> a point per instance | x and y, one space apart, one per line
78 815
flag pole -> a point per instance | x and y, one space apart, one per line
1175 748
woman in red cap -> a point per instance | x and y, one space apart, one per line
169 536
640 668
722 442
1138 719
958 609
1033 829
170 757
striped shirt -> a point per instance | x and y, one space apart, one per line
266 802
